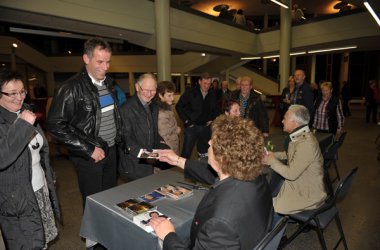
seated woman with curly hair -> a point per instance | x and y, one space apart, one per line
237 211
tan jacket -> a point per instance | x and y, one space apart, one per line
167 128
303 188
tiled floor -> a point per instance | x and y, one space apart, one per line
357 211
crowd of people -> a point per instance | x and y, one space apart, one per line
104 136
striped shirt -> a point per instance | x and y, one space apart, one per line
321 116
107 129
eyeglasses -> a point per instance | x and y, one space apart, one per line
148 91
13 95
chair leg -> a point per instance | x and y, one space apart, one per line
336 170
320 236
294 235
342 237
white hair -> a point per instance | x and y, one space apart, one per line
300 114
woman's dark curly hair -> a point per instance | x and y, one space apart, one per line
238 147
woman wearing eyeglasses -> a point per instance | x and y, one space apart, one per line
28 200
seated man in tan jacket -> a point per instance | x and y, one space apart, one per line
303 187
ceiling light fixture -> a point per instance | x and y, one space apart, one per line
281 4
332 49
14 45
372 12
298 53
272 56
250 58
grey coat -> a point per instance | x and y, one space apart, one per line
20 218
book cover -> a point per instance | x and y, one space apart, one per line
152 196
142 220
144 153
133 207
176 192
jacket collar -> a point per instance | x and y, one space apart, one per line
7 116
299 133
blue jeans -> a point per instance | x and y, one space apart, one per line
196 134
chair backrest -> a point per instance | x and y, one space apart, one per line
273 238
331 151
345 184
341 138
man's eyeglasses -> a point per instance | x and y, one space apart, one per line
148 91
13 95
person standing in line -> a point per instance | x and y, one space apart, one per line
224 92
167 123
231 108
28 199
251 105
303 93
197 108
372 100
287 96
84 116
328 115
140 118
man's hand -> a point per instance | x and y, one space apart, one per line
267 156
98 154
28 116
161 226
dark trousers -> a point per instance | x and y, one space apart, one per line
346 108
95 177
371 111
196 134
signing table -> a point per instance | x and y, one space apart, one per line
104 223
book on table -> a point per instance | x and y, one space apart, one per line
142 220
175 192
133 207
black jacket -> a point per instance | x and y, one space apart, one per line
233 214
141 131
193 109
20 218
74 116
256 110
332 116
304 96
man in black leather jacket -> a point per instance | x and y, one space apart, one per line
197 108
84 117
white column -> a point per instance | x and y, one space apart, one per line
163 52
285 43
313 66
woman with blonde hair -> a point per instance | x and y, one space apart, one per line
328 114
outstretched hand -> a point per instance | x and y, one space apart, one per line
170 157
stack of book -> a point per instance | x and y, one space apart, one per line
175 192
